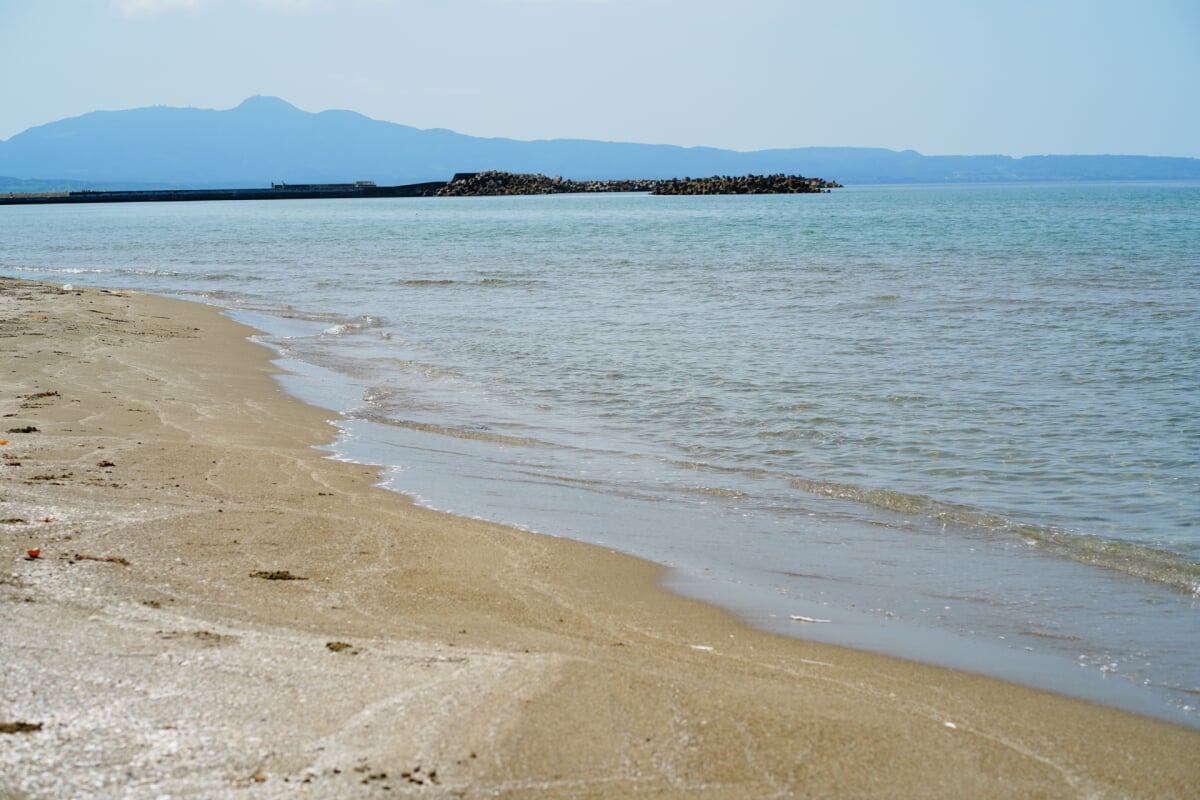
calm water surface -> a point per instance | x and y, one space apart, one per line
962 423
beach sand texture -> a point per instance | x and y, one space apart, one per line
157 647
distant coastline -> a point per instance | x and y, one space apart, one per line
469 184
267 139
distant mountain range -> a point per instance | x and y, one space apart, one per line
266 139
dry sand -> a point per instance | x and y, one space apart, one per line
418 653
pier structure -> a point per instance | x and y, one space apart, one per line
278 191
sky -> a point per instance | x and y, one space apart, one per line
962 77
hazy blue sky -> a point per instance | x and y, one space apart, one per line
1017 77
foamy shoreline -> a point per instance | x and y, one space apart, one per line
421 652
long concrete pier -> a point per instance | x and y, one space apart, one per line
281 191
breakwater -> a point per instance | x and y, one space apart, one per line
468 184
281 191
747 184
496 183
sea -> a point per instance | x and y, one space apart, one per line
958 424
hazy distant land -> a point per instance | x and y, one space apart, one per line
267 140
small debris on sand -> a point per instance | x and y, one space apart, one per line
415 776
277 575
109 559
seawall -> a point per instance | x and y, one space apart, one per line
281 192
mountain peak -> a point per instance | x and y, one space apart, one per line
265 103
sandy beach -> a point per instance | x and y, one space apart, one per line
215 609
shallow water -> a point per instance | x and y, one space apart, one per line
960 423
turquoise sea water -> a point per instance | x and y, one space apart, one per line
961 423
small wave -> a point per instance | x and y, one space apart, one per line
353 326
458 432
219 295
908 398
216 277
797 433
65 270
156 273
376 395
1046 635
1147 563
702 466
450 282
510 282
901 502
423 369
714 491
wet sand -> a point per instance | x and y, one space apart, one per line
218 610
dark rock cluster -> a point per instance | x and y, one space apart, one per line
494 182
747 184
